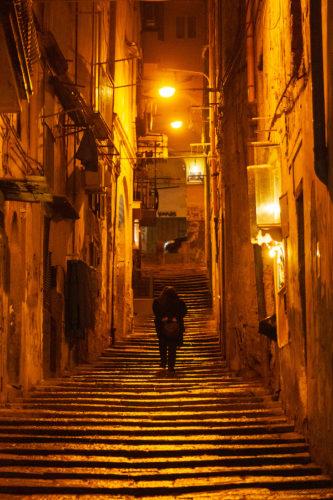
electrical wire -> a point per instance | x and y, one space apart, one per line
238 45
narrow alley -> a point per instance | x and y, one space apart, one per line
123 428
150 148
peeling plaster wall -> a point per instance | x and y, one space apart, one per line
85 239
244 347
34 340
21 260
319 226
300 364
305 357
127 22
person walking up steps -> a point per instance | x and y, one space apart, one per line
169 311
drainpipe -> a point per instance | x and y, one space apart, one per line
211 163
318 97
114 247
76 34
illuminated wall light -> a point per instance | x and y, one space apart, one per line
176 124
275 248
195 170
167 91
276 252
262 239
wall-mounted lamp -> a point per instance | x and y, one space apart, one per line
195 168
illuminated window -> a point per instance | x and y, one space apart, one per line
296 35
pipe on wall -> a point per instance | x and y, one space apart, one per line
250 53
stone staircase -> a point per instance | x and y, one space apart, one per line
123 429
192 287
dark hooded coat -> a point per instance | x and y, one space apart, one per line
169 305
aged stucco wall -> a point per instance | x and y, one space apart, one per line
280 115
284 84
244 348
319 225
35 338
126 46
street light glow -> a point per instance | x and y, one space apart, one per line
176 124
167 91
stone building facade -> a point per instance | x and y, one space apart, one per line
255 82
174 44
273 70
67 157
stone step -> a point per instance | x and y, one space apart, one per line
158 486
8 434
153 449
122 428
167 473
146 404
46 458
98 426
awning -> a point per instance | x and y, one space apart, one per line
61 208
87 151
32 189
18 24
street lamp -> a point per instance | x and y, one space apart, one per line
167 91
176 124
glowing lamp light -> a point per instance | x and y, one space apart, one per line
271 210
275 248
166 91
195 169
176 124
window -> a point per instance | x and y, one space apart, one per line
180 27
191 27
153 18
97 204
186 27
296 35
150 17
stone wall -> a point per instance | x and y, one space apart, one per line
281 114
